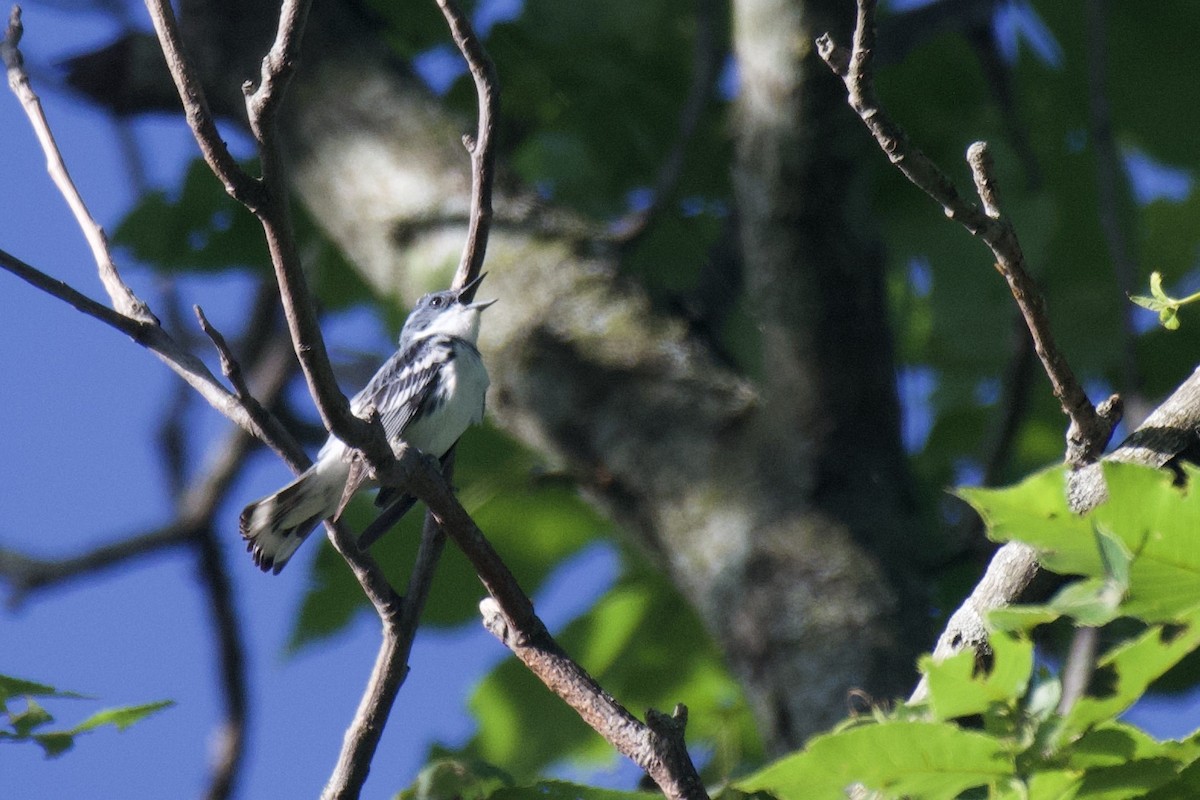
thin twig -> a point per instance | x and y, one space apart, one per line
267 199
121 296
1081 663
1089 430
480 146
26 574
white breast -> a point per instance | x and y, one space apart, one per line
457 402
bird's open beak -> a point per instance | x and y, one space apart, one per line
469 291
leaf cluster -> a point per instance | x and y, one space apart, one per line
996 727
25 719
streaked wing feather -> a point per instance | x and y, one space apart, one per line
401 385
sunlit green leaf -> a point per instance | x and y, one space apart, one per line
927 760
958 689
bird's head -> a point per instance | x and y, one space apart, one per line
450 313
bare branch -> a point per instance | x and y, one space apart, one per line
391 669
238 183
362 737
26 574
657 746
152 337
267 199
481 147
121 296
1089 431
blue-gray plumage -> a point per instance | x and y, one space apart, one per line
426 394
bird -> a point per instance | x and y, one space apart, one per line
426 394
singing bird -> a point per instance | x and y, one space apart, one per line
426 394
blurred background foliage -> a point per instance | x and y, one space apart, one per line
592 99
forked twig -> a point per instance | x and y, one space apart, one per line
1090 428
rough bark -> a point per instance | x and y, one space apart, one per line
782 511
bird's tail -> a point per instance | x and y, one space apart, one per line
276 525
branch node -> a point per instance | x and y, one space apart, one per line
979 156
12 39
496 623
838 58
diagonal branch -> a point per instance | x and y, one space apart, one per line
121 296
267 199
657 746
182 362
1014 566
1090 428
400 629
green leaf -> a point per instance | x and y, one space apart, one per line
1159 524
1146 302
1128 669
1092 602
1035 511
923 759
121 718
28 725
1020 619
1156 289
24 723
55 744
19 687
1185 786
956 689
465 779
1141 548
1112 743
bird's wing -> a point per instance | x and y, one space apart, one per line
403 383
